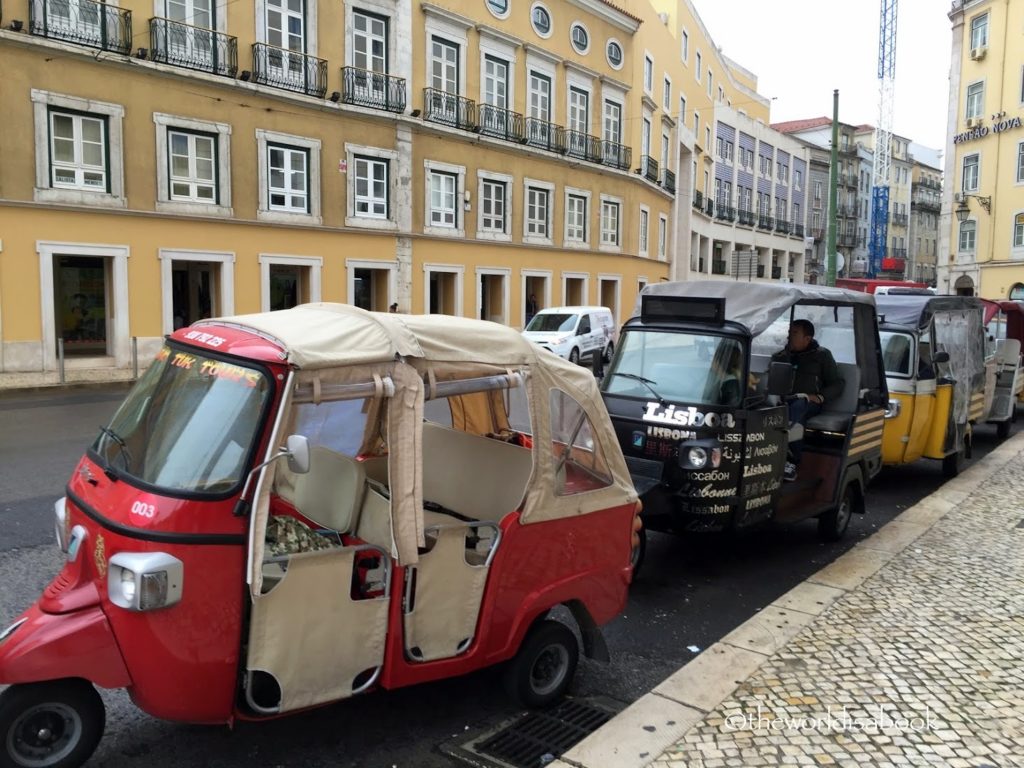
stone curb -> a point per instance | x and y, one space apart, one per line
643 731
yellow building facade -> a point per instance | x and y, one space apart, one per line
164 162
981 249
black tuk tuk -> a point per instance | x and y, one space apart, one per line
700 409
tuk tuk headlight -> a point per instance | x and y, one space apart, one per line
697 457
146 581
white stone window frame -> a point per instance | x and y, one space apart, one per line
588 216
699 61
504 272
1016 251
617 95
309 18
585 277
666 98
312 147
452 28
644 233
987 30
498 48
499 178
602 245
376 153
607 277
313 263
663 237
572 40
544 64
386 9
967 99
167 258
220 13
459 270
622 53
43 192
574 80
960 236
642 281
549 187
546 274
495 14
222 132
963 173
551 21
648 86
118 315
430 167
351 265
684 42
1018 171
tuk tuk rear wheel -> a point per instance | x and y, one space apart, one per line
542 670
55 724
1003 429
952 463
833 523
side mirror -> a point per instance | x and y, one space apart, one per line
940 357
297 451
780 379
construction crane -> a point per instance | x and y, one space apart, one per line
883 136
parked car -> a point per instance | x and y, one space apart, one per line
574 333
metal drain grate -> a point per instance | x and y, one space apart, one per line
536 738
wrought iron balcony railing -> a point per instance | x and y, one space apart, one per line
724 212
698 199
899 219
649 168
616 155
898 253
582 146
765 222
798 230
188 47
289 70
668 181
375 90
545 135
500 123
709 206
449 109
746 217
85 22
781 225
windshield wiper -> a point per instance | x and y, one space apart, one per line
646 382
126 455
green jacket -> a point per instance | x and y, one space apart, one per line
816 372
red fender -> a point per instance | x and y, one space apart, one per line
50 646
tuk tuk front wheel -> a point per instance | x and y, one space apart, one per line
952 463
542 670
1003 429
55 724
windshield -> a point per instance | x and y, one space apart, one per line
897 353
553 322
187 425
681 367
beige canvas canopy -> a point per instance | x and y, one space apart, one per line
338 344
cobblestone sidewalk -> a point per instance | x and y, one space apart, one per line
907 651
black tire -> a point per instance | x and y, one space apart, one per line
1003 429
609 351
574 356
55 724
542 670
833 523
637 555
952 464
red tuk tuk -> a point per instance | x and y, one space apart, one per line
443 484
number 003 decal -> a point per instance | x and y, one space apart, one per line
142 509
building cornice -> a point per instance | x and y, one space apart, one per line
540 53
617 17
450 16
572 66
497 34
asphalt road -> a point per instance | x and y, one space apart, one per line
691 593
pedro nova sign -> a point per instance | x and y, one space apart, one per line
1000 123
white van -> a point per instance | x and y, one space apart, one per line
574 332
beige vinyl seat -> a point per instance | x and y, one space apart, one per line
331 493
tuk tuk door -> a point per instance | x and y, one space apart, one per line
960 334
765 438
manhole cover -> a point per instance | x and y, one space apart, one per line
534 739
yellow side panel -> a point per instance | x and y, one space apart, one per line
921 426
896 430
935 447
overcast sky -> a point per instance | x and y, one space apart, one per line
801 50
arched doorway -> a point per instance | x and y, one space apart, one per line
964 286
